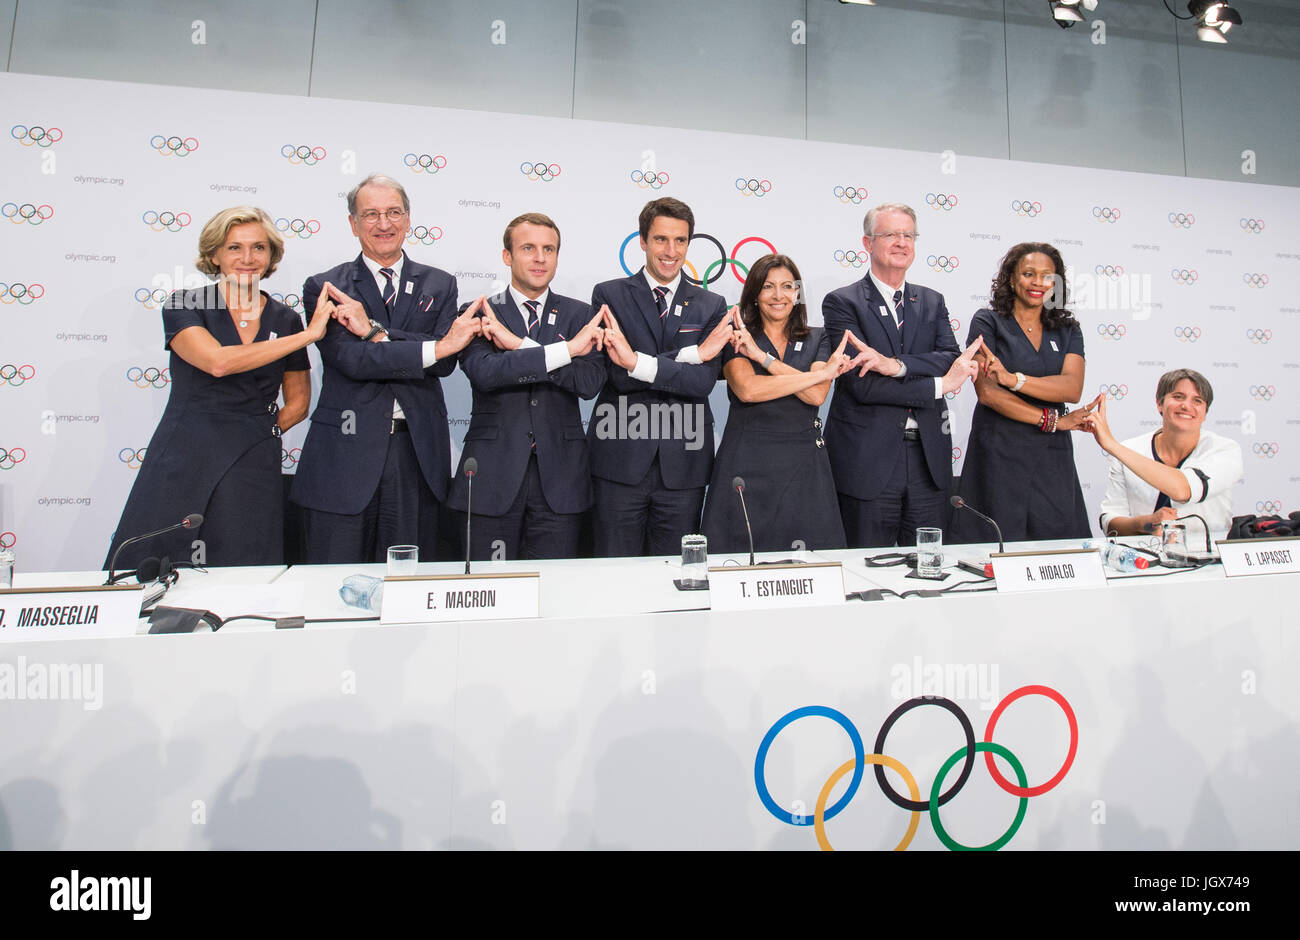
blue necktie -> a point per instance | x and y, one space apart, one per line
534 318
390 291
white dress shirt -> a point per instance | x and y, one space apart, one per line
557 354
888 293
429 357
647 366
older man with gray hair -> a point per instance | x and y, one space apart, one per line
377 459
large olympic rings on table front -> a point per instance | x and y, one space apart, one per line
738 268
881 760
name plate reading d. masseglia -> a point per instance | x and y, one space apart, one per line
1259 556
451 597
1056 570
767 587
69 613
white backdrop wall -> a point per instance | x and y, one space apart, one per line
102 216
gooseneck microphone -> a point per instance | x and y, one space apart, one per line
471 468
192 521
738 484
958 503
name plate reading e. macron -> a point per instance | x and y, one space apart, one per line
1259 556
450 597
69 613
1053 570
767 587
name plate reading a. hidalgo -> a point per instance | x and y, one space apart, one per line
766 587
1054 570
1259 556
69 613
451 597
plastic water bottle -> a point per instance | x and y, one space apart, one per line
364 591
1119 557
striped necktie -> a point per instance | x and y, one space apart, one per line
390 291
534 318
661 292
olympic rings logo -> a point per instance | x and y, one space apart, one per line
1259 336
32 215
1105 214
851 258
16 375
37 135
857 766
20 293
289 458
944 201
1253 226
1182 219
738 268
170 145
1266 506
850 194
1188 334
423 163
1114 331
8 540
151 299
955 324
10 458
1117 392
753 187
943 263
1112 271
302 154
1025 207
649 179
1263 392
297 228
165 221
540 171
1255 280
1267 449
1184 275
956 454
423 234
132 458
292 301
143 378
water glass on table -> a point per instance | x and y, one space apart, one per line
929 553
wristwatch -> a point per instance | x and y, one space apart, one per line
767 362
1020 382
375 329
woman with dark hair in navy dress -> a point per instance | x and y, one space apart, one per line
1020 462
217 447
778 371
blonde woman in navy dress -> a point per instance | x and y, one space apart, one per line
778 371
217 446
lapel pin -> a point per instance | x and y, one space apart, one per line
550 320
409 285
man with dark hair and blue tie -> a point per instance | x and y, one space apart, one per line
538 354
377 458
651 432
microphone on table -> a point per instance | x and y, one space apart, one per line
987 568
738 484
192 521
471 468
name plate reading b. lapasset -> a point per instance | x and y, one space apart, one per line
767 587
1055 570
448 597
69 613
1259 556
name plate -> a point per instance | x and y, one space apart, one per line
69 613
453 597
767 587
1055 570
1259 556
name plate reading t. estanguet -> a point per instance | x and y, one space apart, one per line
1259 556
69 613
451 597
1055 570
766 587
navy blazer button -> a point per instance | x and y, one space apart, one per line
533 403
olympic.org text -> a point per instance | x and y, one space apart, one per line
231 188
954 681
82 337
63 501
79 892
88 419
99 180
78 256
479 203
23 681
661 421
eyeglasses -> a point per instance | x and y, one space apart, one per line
372 216
897 236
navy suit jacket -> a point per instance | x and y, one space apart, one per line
517 402
347 443
864 426
693 316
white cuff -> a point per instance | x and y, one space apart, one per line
938 387
902 370
557 356
646 368
690 354
426 350
527 342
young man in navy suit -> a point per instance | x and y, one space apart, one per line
376 461
538 354
887 431
651 432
